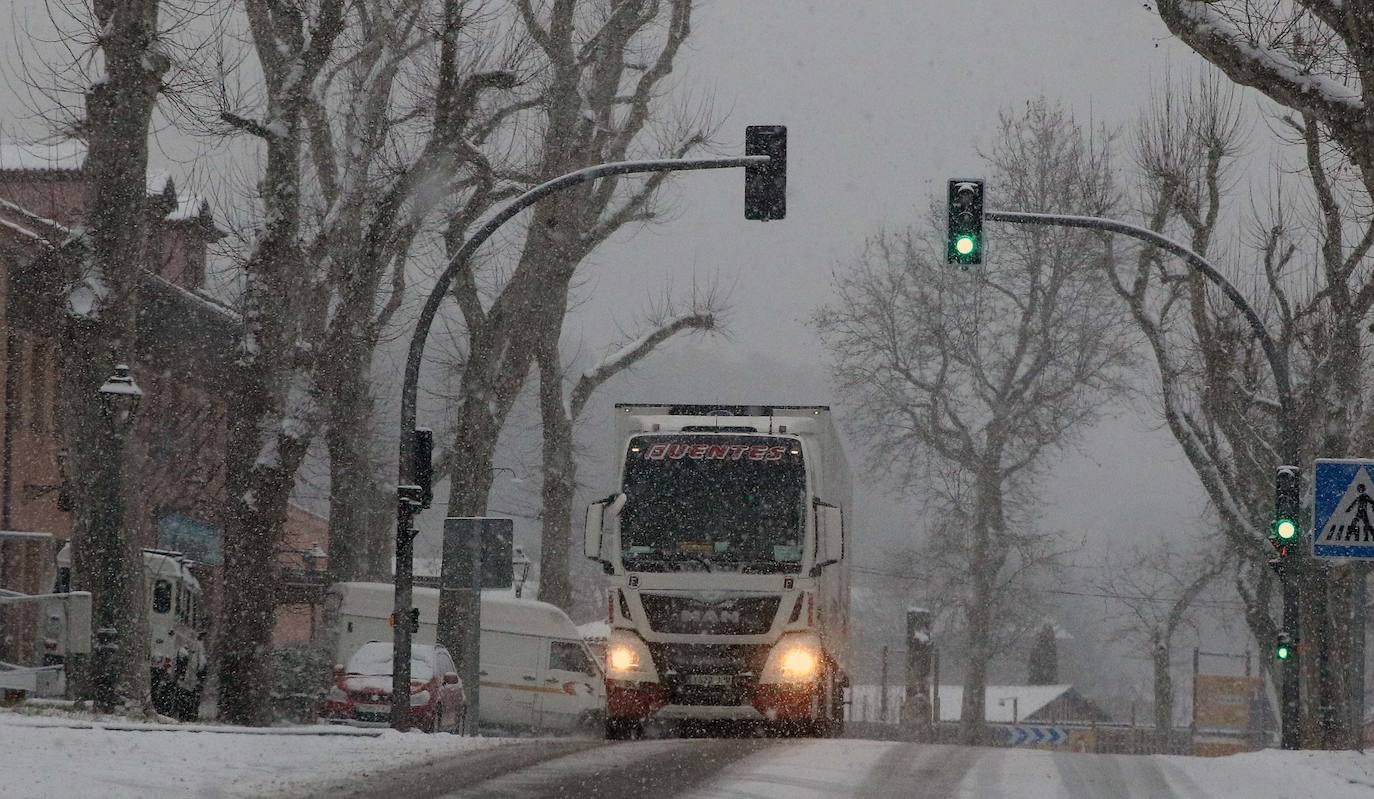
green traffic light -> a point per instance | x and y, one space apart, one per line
1283 652
1285 529
964 245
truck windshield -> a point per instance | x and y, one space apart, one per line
713 502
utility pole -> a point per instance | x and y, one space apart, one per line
882 697
1293 558
767 178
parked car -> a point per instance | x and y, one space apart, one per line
537 674
361 694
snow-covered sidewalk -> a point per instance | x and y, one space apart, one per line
66 755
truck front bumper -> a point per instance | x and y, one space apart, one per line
642 700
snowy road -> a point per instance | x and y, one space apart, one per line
44 756
782 769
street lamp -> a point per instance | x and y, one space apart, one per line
521 562
119 400
119 397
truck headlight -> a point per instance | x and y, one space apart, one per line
623 658
628 658
797 658
798 664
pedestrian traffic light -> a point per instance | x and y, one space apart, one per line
1283 647
424 465
765 184
1287 490
964 244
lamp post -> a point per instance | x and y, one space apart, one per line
119 400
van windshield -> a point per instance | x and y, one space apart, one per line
713 502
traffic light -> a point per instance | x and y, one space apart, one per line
1287 490
424 465
1283 647
415 620
765 185
964 244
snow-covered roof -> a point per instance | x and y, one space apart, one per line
70 156
58 156
1029 699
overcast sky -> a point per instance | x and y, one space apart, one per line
883 100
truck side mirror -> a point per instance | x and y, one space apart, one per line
830 538
593 532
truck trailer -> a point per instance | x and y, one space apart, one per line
726 548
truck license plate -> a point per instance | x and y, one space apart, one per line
709 679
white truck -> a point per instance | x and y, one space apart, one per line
726 548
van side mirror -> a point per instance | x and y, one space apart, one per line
830 537
593 544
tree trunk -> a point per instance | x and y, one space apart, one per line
560 482
266 439
1163 688
986 563
351 481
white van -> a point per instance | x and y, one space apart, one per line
537 673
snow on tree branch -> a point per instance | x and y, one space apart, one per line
632 352
1247 62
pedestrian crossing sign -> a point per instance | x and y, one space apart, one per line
1343 509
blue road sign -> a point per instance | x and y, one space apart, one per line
1343 509
1024 734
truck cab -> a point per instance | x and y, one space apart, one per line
725 546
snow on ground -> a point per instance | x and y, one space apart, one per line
840 768
65 755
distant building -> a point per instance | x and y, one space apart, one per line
186 345
1005 704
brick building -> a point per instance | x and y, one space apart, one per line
186 342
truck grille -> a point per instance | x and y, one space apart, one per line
737 665
672 613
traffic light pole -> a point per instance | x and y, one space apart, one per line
1288 433
407 503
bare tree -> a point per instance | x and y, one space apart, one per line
129 54
1216 389
988 373
1158 592
1314 57
600 70
560 411
274 418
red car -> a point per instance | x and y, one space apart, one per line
361 694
